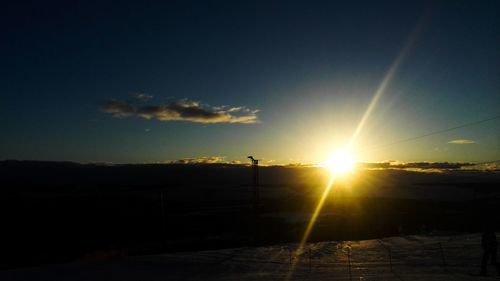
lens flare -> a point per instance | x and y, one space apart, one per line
311 223
341 162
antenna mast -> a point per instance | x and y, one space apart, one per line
255 169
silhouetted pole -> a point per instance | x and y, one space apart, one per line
390 257
310 264
349 262
255 169
162 213
443 259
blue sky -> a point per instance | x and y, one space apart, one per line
304 71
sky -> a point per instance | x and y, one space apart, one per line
285 81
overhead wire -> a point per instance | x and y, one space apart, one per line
432 133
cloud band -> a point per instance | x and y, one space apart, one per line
181 110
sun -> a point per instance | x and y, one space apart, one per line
341 162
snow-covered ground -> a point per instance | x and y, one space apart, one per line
413 258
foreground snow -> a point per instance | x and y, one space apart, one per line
413 258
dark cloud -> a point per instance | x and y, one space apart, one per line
486 166
427 167
181 110
418 165
390 165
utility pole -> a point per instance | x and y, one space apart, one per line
163 214
255 169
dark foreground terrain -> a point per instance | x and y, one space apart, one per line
60 212
413 258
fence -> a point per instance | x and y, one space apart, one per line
377 257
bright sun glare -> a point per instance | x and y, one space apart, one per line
341 162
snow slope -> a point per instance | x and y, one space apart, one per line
413 258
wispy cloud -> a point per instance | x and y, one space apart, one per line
461 141
200 160
179 110
205 160
143 97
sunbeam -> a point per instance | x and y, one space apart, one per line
376 97
386 81
382 87
311 223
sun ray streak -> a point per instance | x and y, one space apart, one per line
311 223
376 97
385 82
381 89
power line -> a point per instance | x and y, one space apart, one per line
435 133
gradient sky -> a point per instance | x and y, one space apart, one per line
79 80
